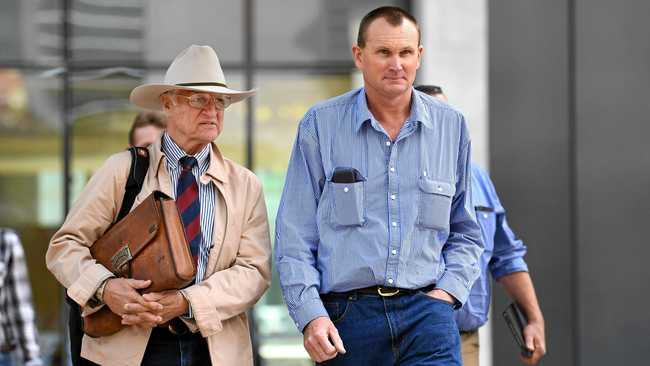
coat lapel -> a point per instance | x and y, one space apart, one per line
216 173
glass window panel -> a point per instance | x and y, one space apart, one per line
30 154
30 31
153 31
309 31
281 102
107 30
102 116
9 30
171 26
277 115
232 141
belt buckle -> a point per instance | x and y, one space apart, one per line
380 291
173 330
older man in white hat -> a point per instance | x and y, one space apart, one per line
222 208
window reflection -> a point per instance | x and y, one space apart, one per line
319 31
30 183
107 39
276 120
169 26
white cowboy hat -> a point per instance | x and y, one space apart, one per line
196 68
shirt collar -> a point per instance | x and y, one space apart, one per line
363 113
174 153
418 112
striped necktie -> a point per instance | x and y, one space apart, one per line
189 206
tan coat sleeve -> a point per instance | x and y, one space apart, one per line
234 290
68 255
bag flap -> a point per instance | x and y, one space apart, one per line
129 236
149 220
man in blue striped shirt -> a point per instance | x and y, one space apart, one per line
376 240
504 258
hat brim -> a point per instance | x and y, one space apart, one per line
148 95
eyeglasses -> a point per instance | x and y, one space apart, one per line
202 100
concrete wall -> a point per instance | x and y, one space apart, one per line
454 37
569 123
612 57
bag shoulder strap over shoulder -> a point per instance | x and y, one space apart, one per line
137 173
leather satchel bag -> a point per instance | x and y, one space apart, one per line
147 244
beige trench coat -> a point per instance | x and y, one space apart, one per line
238 270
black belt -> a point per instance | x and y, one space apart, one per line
380 291
176 326
464 332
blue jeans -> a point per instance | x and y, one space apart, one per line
412 329
167 349
6 359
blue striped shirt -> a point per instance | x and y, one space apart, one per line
407 223
206 193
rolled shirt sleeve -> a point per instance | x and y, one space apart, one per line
509 251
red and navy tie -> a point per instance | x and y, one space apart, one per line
189 205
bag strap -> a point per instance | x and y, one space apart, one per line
137 173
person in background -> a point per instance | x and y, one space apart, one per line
504 258
146 128
18 334
376 240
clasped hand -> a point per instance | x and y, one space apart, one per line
149 310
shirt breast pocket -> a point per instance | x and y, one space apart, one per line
347 204
487 221
435 204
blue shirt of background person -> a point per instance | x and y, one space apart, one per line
503 255
503 252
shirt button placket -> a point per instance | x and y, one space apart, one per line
393 216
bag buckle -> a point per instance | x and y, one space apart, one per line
121 259
388 293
